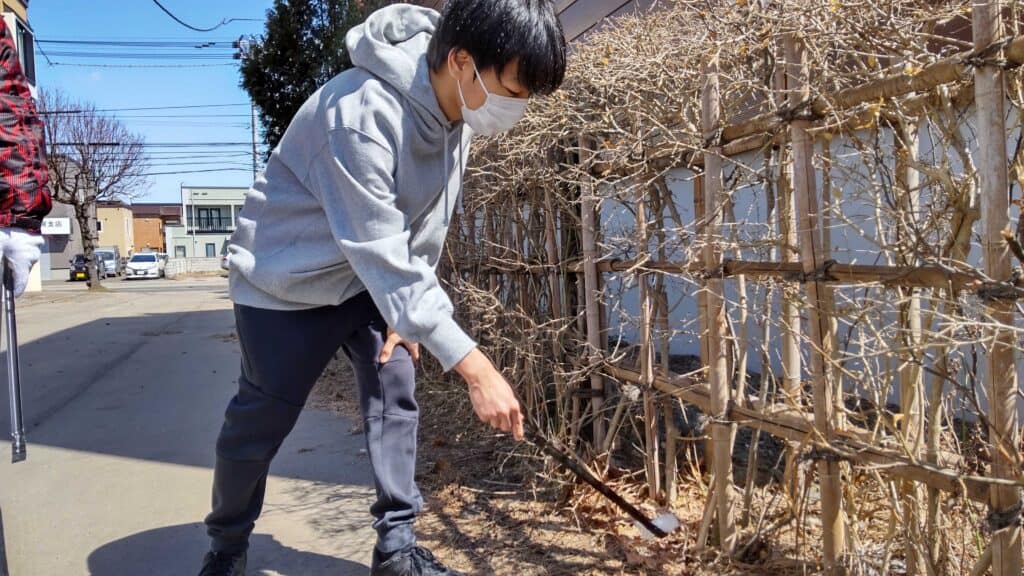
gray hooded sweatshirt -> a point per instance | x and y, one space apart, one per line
358 194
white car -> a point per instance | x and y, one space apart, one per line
146 265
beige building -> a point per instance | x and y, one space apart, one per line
116 227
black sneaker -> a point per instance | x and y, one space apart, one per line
223 564
414 561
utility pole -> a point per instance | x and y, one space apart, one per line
243 46
254 168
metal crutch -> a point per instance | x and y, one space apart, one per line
18 453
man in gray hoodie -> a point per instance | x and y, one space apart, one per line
338 244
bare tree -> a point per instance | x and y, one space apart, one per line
93 158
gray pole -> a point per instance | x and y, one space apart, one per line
18 452
254 170
192 220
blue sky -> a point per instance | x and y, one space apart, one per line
113 86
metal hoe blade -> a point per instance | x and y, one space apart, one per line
661 527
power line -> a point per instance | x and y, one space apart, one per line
154 144
194 144
191 27
188 107
136 66
197 171
183 116
185 124
142 38
141 43
142 55
48 61
198 159
161 156
168 164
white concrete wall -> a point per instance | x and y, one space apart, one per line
855 239
180 266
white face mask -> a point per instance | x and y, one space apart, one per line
498 113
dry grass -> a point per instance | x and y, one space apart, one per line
492 509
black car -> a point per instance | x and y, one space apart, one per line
79 268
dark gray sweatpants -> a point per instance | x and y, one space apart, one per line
283 355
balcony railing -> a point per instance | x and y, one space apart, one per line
210 224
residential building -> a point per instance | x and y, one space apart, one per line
115 227
15 14
63 240
209 215
150 221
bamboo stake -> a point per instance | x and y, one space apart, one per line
819 297
923 276
935 536
717 333
700 227
911 375
741 347
662 199
671 430
555 295
702 297
613 425
647 350
902 83
1001 376
581 328
592 294
705 520
791 360
825 224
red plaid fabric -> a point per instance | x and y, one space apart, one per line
24 177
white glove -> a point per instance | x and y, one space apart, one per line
22 250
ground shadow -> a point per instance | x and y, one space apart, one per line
162 551
154 387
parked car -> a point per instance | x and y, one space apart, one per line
146 265
112 263
79 268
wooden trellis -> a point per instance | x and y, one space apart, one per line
815 427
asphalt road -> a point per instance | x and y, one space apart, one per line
124 393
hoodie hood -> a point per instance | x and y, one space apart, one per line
357 195
392 45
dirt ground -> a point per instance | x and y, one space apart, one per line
491 510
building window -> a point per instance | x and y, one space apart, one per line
179 252
211 250
25 41
210 220
99 225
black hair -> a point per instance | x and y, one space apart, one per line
496 32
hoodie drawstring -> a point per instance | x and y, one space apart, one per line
462 172
447 177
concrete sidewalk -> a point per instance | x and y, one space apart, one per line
125 393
